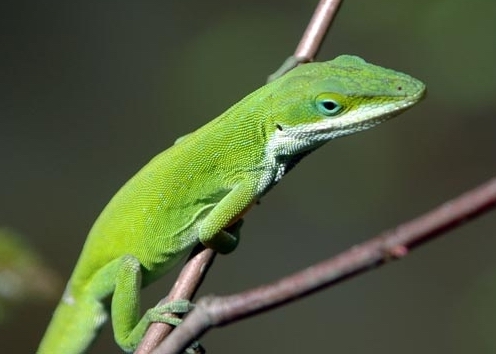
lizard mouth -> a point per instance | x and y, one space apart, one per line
355 121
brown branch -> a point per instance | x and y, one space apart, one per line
390 245
312 38
316 30
185 287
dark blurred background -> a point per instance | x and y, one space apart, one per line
91 90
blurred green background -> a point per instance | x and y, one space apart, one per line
91 90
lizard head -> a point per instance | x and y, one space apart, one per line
317 102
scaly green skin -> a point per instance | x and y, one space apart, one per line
194 190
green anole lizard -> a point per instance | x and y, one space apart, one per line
199 189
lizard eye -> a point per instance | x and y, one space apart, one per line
328 106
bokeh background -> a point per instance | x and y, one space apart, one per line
91 90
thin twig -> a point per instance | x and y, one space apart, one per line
312 38
390 245
185 287
316 30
